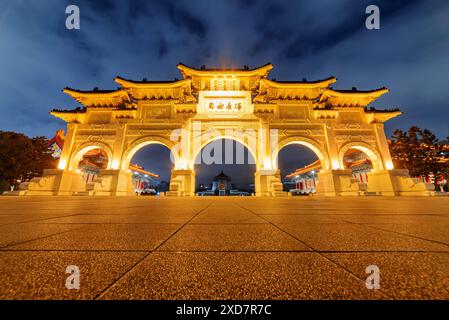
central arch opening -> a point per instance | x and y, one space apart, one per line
299 166
224 167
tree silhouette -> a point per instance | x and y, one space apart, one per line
22 158
419 151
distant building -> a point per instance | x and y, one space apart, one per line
143 179
91 163
56 143
305 180
221 184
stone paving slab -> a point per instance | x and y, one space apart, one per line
234 216
418 219
435 232
153 217
8 219
243 276
104 237
22 232
404 275
224 247
42 274
356 237
298 219
231 237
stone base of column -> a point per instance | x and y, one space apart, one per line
268 183
338 183
182 183
397 182
111 183
52 182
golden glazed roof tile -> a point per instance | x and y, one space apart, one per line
351 98
99 98
187 71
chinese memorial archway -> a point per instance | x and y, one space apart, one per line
240 104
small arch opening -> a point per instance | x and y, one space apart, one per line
359 163
151 167
91 162
299 166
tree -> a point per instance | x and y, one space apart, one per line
23 158
418 151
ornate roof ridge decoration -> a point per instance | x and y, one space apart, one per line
270 90
266 94
222 175
72 116
99 98
374 110
127 83
76 110
299 84
380 116
180 90
377 92
350 98
261 71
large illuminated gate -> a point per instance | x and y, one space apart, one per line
243 105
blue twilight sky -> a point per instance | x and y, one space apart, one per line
146 39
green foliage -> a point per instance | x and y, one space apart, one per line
22 157
418 151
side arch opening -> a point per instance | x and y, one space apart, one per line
299 166
89 160
150 166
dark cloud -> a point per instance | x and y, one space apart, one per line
163 47
183 18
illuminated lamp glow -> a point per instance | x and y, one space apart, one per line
115 165
335 165
62 164
267 164
181 165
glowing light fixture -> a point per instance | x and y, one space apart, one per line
335 164
62 164
114 165
267 164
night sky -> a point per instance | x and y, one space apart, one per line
146 39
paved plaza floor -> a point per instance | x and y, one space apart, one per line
224 248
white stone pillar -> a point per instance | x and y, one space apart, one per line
382 144
331 145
